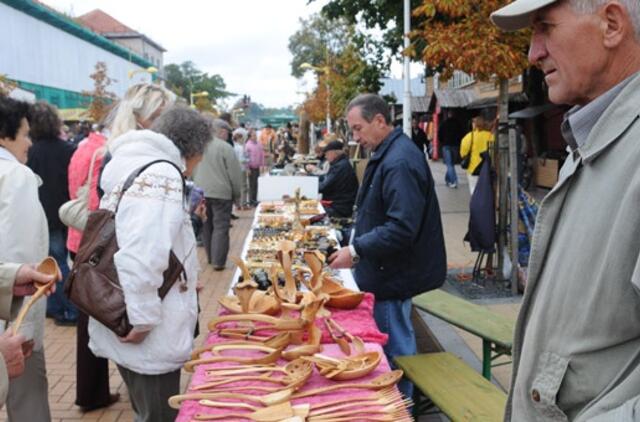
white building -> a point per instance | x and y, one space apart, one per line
52 56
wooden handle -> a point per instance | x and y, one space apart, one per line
40 291
235 405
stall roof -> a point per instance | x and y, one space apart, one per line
517 97
451 98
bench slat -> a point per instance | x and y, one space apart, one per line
468 316
458 391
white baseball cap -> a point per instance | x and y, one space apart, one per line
517 15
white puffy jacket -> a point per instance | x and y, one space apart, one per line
151 221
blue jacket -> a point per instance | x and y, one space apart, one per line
398 231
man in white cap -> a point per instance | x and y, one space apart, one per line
576 352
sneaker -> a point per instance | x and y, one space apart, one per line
234 217
219 268
454 186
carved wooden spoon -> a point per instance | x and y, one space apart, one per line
48 266
378 383
279 396
273 413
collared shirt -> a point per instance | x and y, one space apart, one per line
579 121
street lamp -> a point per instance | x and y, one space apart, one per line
197 95
325 70
150 70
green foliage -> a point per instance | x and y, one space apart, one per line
186 78
346 63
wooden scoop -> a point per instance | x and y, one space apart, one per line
378 383
266 400
47 266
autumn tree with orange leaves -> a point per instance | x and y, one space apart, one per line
460 36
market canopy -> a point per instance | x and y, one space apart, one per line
279 119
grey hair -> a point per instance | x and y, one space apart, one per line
186 128
370 105
591 6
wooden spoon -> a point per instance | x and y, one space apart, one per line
278 341
271 357
378 383
273 413
47 266
296 373
279 396
355 340
338 339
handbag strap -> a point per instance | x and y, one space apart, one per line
91 166
132 177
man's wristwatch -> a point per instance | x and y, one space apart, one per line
355 258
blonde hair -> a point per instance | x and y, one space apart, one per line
140 102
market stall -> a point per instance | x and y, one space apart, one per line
294 340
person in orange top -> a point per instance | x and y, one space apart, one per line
267 140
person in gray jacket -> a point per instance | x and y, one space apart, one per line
220 176
576 350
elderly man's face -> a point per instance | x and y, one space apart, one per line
367 134
567 46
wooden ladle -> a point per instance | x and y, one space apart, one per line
378 383
47 266
279 396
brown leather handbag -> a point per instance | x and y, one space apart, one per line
93 284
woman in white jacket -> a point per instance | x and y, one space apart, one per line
24 237
151 221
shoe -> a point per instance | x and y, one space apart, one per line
454 186
218 268
112 399
234 217
64 322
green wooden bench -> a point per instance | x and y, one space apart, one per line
455 388
495 330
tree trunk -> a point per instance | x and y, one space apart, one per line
303 137
503 170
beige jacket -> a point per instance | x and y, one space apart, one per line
9 306
577 342
219 173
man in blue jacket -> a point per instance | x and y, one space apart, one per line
397 248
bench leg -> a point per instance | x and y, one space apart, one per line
486 359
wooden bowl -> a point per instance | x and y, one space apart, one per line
345 299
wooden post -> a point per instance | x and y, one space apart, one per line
503 169
513 170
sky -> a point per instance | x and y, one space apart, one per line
244 41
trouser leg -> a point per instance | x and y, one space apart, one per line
253 184
92 372
207 230
58 305
221 209
149 394
28 398
394 318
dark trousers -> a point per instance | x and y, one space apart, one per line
253 186
149 394
215 233
92 372
58 306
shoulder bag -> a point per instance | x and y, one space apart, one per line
93 284
74 213
466 160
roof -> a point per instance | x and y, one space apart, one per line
516 97
105 24
452 98
66 24
101 22
395 87
420 104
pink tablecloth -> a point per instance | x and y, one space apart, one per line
192 407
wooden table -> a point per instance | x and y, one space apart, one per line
495 330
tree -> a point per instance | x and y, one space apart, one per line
6 85
101 98
346 63
185 79
459 36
